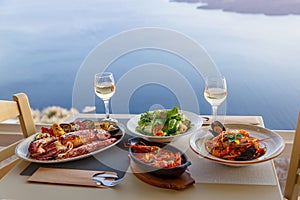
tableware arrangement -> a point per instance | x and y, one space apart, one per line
150 154
196 123
269 140
104 86
81 143
215 92
139 146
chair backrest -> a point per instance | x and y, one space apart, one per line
293 178
18 108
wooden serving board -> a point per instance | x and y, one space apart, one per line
66 176
179 183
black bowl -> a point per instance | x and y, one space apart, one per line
173 172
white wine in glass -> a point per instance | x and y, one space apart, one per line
215 92
104 86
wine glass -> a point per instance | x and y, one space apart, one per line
215 92
104 86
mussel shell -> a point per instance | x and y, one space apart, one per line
88 124
102 124
247 154
217 127
66 127
111 127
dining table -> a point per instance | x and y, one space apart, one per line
211 180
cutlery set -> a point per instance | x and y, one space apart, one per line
108 180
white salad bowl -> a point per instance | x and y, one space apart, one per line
195 119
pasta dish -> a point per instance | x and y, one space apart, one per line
235 145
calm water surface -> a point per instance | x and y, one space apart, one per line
43 44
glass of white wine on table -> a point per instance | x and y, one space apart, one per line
104 86
215 92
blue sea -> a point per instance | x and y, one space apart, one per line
44 45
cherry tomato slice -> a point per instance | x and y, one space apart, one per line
157 130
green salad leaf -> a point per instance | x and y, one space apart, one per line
145 118
233 137
163 122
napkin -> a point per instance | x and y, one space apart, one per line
66 176
252 120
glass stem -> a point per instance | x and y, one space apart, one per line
106 103
214 112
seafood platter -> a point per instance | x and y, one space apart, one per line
70 141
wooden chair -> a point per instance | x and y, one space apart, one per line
18 108
293 178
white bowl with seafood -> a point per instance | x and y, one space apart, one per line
269 140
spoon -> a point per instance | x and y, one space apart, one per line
108 182
106 175
101 180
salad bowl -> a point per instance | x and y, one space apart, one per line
196 123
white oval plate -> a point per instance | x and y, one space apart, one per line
195 119
22 150
272 141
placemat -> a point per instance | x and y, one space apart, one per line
89 163
206 171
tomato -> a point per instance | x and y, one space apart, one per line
47 130
44 130
261 151
157 130
80 124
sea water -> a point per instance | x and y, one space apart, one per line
44 43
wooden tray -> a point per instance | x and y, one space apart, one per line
179 183
66 176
